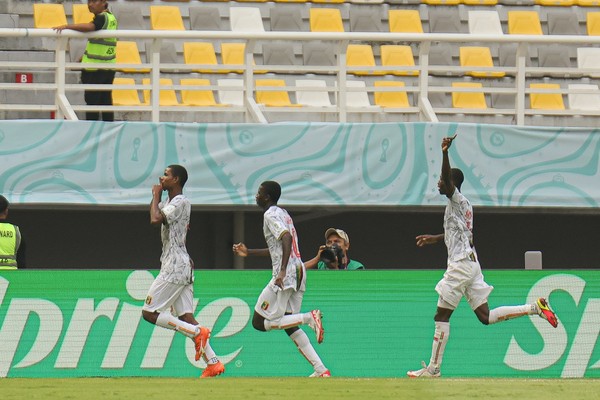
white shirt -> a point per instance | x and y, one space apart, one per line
276 222
176 266
458 227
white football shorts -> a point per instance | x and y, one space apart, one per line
274 302
167 296
463 278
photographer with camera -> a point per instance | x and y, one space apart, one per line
334 254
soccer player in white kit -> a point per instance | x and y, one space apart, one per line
463 275
278 306
172 292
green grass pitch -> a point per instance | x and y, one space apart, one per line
297 388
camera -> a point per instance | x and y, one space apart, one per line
331 254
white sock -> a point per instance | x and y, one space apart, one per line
167 320
307 350
209 355
504 313
440 338
287 321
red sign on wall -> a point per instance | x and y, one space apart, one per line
22 77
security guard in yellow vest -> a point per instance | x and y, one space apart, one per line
11 248
98 50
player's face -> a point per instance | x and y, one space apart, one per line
442 187
261 197
167 180
335 239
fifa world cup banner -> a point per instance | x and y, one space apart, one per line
377 324
391 164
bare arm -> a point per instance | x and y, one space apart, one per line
423 240
84 27
241 250
313 262
156 217
446 176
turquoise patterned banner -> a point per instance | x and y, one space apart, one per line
80 162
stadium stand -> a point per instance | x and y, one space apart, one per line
125 97
197 93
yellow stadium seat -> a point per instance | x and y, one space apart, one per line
326 20
480 2
328 1
48 15
478 57
125 97
200 53
405 21
233 54
441 2
197 93
361 55
398 56
82 14
550 3
273 98
391 99
291 1
593 23
166 18
167 97
524 23
468 99
588 3
128 53
546 101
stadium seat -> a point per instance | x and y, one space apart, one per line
313 98
128 53
524 23
168 54
484 23
593 23
273 98
245 19
588 3
278 53
48 15
166 18
546 101
561 23
197 93
405 21
554 56
365 19
361 55
125 97
398 56
231 91
589 58
584 101
129 16
475 100
479 2
478 57
167 97
318 54
286 19
291 1
325 20
200 53
550 3
441 2
357 99
328 1
233 54
444 20
391 99
81 14
205 18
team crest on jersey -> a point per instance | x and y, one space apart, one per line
149 300
265 305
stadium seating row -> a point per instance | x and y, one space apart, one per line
315 93
329 20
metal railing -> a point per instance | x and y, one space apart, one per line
518 74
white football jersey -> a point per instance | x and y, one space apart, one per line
458 227
277 221
176 266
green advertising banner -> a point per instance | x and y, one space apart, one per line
378 324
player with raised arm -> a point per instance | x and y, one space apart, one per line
463 275
278 306
172 292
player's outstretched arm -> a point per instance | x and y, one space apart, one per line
423 240
241 250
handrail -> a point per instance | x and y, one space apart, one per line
255 112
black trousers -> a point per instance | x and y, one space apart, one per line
98 97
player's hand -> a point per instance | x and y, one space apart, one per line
447 142
157 190
279 280
422 240
240 249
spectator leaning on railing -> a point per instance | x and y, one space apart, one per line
12 247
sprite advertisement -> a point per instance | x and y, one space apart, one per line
57 323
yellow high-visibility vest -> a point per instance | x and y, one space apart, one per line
102 50
10 239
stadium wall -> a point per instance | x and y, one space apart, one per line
378 324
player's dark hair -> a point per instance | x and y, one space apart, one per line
179 172
457 177
3 204
273 189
